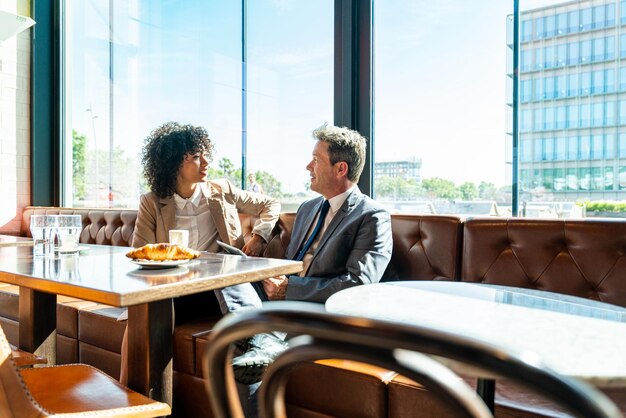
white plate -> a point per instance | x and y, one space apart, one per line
75 250
151 264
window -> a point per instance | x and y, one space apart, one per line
561 117
610 14
549 88
585 52
609 53
548 149
538 121
598 17
574 21
572 85
597 146
609 146
526 150
585 147
415 100
526 89
597 82
609 180
585 83
622 145
573 53
597 178
561 23
572 148
622 112
538 149
561 148
163 62
609 81
540 29
586 18
527 31
173 61
561 55
609 113
599 48
290 92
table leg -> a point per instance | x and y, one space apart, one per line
38 321
150 331
486 389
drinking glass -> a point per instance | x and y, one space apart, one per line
41 228
68 228
179 237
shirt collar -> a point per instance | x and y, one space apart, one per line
181 202
337 201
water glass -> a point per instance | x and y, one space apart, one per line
41 228
179 237
68 228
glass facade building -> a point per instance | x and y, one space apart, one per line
572 102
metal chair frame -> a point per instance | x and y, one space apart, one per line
324 335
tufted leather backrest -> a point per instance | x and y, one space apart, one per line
426 247
100 226
583 258
116 226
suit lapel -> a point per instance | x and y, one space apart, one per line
344 211
168 216
302 234
217 210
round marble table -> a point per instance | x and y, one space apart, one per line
574 336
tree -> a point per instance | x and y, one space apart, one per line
271 186
397 188
487 191
227 166
468 191
79 144
442 188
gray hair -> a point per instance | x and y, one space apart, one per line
344 145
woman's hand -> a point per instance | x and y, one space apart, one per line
254 246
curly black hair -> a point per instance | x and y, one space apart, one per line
164 151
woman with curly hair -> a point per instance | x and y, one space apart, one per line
175 162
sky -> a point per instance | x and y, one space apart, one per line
440 80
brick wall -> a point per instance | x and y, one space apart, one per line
14 123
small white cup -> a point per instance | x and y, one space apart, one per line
179 237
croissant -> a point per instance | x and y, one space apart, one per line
162 252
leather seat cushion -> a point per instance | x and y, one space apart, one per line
78 388
339 388
187 350
93 319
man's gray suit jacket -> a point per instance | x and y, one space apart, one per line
355 248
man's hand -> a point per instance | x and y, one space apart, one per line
276 287
254 246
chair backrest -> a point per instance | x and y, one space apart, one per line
325 335
15 400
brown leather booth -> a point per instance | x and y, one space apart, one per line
582 258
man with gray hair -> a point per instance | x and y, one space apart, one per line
342 237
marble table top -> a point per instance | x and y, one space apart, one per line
102 273
574 336
13 241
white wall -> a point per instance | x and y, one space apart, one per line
14 123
